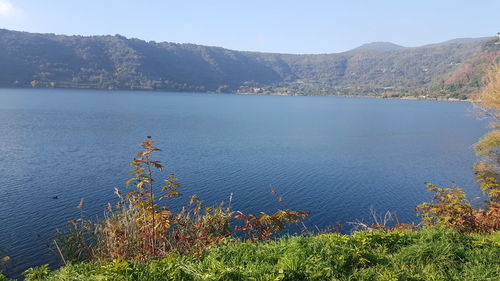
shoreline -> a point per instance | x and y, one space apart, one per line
360 96
244 93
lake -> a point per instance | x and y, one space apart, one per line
335 157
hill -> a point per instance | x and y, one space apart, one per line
117 62
380 46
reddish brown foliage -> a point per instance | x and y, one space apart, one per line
450 207
142 228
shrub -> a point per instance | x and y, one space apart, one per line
450 207
140 228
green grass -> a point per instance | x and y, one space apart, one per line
3 278
434 254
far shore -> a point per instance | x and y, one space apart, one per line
360 96
249 93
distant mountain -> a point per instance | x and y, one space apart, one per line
460 41
448 69
380 46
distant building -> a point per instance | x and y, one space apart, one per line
257 90
498 34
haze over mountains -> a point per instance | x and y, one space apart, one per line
451 69
380 46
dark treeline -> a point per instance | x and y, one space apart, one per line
450 69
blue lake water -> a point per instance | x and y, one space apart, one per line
335 157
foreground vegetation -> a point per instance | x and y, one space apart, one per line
432 254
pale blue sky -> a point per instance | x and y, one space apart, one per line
309 26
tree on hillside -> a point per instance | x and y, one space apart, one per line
488 147
449 205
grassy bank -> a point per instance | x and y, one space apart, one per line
431 254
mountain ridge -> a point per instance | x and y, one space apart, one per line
380 46
459 40
116 62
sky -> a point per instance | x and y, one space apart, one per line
300 27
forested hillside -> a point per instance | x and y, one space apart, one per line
449 69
